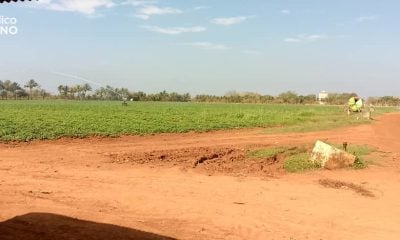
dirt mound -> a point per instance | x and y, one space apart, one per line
208 160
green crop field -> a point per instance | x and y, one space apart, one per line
29 120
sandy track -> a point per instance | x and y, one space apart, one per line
77 178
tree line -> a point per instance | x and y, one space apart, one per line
32 90
384 101
251 97
13 90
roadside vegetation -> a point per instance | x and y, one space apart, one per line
299 163
360 151
294 159
298 159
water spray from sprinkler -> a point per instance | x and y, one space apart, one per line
86 80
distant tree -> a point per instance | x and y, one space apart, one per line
86 88
60 89
63 91
31 84
386 101
7 88
288 97
1 89
78 90
43 93
186 97
72 91
15 89
163 96
232 97
267 99
100 93
310 99
111 93
138 96
339 98
21 93
250 97
122 93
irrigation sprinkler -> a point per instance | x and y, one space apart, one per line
123 98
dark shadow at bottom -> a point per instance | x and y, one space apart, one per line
46 226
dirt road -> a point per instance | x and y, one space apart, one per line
149 187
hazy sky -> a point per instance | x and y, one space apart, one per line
207 46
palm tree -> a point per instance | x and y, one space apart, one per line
31 84
78 90
63 91
60 89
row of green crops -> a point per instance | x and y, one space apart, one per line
28 120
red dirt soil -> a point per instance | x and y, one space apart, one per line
197 186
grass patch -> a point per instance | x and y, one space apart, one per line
329 121
296 159
267 153
359 163
359 151
275 151
299 163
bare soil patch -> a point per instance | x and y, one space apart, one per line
136 183
209 160
359 189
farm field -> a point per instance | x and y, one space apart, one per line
29 120
183 184
199 120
